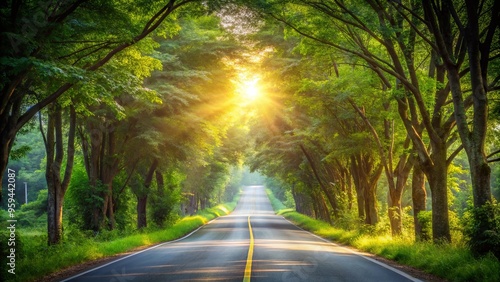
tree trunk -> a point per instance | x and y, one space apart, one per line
360 193
419 199
160 183
203 203
141 211
473 142
395 215
438 181
108 172
303 205
101 164
56 186
371 203
321 207
366 176
7 136
330 196
401 174
142 195
473 137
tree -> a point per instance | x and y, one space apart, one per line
374 34
57 183
195 91
30 48
476 30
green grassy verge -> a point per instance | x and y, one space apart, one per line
39 260
453 263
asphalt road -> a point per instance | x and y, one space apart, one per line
251 244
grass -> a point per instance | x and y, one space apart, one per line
454 263
39 260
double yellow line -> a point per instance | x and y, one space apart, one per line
248 268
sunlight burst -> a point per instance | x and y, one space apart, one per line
251 90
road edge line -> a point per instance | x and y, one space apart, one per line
405 275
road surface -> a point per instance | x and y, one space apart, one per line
251 244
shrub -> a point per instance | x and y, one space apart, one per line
162 206
425 219
482 228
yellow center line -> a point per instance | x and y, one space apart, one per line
248 268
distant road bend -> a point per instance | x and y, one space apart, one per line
251 244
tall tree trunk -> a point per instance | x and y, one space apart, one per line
6 143
437 175
360 193
473 142
142 195
348 180
91 148
160 183
141 211
401 174
419 199
303 202
366 176
109 168
101 164
203 203
479 44
371 203
56 186
330 196
395 215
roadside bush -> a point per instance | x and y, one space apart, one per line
425 219
482 228
162 207
80 200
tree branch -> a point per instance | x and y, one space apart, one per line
149 27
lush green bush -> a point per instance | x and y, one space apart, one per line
80 200
482 228
164 205
425 219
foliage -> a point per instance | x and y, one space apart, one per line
82 199
425 218
482 228
164 207
34 213
28 162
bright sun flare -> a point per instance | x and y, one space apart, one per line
251 90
